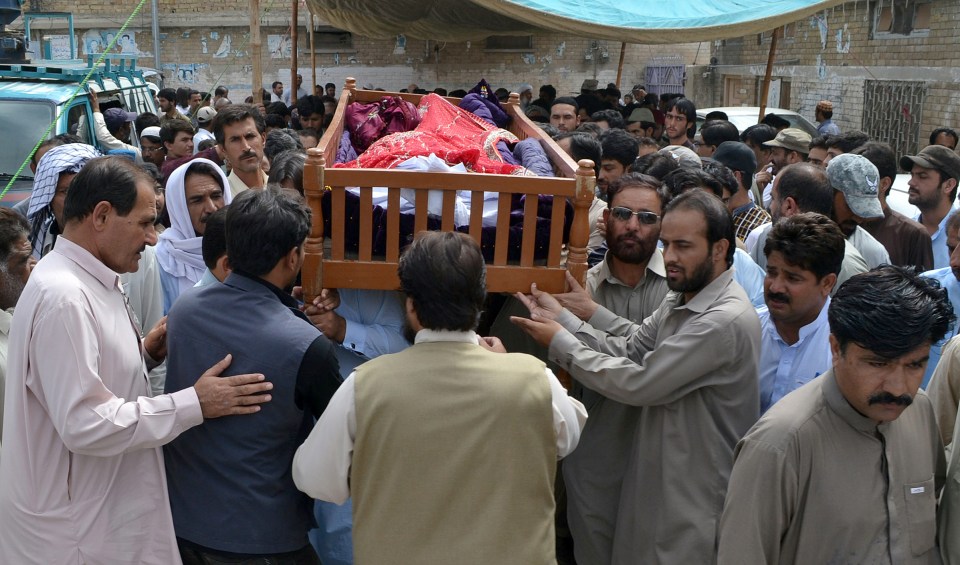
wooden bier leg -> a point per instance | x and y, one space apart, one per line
312 272
580 231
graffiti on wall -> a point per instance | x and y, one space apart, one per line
280 46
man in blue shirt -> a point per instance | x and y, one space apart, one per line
804 253
934 173
824 115
948 279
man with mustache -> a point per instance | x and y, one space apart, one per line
239 132
848 468
804 253
630 283
692 368
194 191
82 475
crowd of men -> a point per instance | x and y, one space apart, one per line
763 355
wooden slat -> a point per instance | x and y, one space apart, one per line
366 223
351 274
383 276
528 243
556 231
503 230
420 219
476 215
512 184
446 218
338 213
393 225
518 279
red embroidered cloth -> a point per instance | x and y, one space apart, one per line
455 135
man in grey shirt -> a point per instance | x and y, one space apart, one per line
692 366
848 468
630 283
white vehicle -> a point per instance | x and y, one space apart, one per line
746 116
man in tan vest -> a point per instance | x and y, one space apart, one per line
449 448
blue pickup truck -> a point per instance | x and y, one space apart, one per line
32 96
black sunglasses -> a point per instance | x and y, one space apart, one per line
623 214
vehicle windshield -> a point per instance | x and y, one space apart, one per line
26 121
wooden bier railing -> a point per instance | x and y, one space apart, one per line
367 271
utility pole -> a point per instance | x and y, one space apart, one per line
293 52
255 47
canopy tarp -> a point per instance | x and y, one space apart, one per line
630 21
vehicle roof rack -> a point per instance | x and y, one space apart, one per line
114 67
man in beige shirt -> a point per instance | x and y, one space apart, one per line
630 283
691 366
448 449
847 468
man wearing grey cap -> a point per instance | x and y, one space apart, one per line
856 184
641 123
933 190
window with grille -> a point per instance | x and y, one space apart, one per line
665 75
892 112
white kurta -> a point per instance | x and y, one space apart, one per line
82 477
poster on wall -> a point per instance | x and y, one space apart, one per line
55 47
280 46
98 40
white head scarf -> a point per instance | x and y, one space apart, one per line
179 250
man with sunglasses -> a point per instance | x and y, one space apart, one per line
691 367
630 283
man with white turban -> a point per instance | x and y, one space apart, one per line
194 191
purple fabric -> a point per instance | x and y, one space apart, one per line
368 122
484 89
490 111
532 156
398 115
364 124
506 154
346 152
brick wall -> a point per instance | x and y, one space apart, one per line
837 68
187 25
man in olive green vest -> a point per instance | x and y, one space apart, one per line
448 448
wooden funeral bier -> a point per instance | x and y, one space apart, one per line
334 267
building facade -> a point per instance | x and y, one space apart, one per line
203 44
890 67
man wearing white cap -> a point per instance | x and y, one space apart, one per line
205 117
526 95
151 147
856 185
